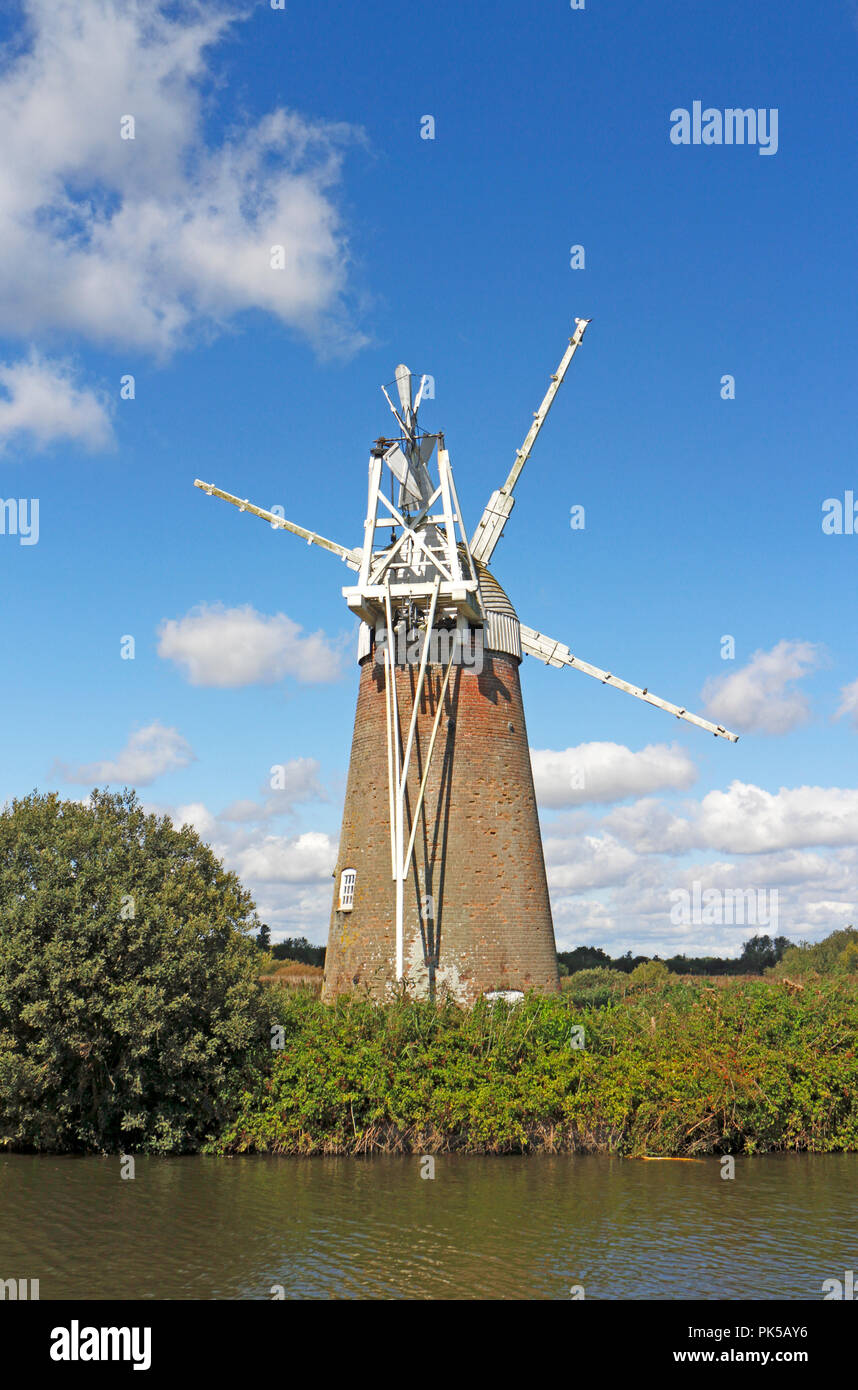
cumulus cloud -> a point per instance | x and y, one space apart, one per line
296 909
744 819
588 861
651 828
230 647
305 858
747 819
761 697
196 814
140 241
149 753
289 784
611 876
815 895
849 703
39 399
604 772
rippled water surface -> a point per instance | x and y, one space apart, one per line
482 1228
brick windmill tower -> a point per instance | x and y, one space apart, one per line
440 883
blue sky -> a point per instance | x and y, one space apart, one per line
302 127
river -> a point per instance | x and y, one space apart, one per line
535 1228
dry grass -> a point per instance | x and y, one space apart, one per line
294 974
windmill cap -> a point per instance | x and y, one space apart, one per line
495 599
502 630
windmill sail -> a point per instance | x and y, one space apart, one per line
499 506
410 472
557 654
403 386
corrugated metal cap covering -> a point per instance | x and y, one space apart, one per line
502 630
494 597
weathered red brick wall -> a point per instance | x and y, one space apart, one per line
478 851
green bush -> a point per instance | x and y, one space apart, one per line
831 956
848 959
750 1067
596 986
130 1010
650 973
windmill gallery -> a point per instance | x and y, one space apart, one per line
440 881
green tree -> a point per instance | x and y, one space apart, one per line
761 953
650 972
129 1003
300 949
848 959
583 958
825 957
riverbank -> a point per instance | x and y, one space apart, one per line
671 1069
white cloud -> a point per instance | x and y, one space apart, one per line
305 858
289 784
651 828
761 697
816 894
581 921
231 647
196 814
140 241
297 910
589 861
849 703
148 754
602 772
744 819
40 399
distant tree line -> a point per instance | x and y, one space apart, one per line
291 948
759 953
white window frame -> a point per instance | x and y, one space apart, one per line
348 879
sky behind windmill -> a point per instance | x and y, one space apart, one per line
304 128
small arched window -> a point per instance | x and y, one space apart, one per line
348 878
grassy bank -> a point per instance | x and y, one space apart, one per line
670 1068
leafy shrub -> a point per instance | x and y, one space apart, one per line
749 1067
595 987
130 1011
826 957
848 959
649 973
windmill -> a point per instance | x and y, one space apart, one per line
440 879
